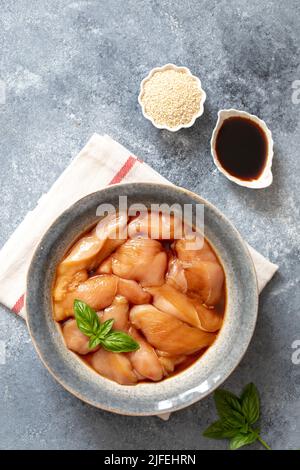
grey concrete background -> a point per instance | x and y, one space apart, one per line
73 68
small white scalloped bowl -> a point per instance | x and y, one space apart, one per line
265 179
196 115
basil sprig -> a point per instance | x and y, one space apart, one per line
89 324
237 416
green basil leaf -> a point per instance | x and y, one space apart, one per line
105 328
234 420
250 403
217 430
226 402
241 440
244 429
118 341
86 318
237 415
94 341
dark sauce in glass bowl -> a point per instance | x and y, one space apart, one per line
241 148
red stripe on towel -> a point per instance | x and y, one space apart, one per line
18 305
124 170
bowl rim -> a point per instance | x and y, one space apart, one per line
171 66
173 408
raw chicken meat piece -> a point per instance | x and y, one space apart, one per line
166 333
83 254
67 282
118 310
113 226
188 253
105 267
113 230
141 259
133 292
175 276
203 273
210 319
91 249
145 360
206 279
172 283
170 362
88 252
75 339
170 300
155 225
98 292
114 366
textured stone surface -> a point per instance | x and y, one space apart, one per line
72 68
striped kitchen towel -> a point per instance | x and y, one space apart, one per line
100 163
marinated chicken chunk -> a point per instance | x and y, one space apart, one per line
67 282
133 291
145 360
75 340
190 250
118 311
142 260
114 366
175 276
202 271
98 292
94 247
166 333
210 318
155 225
206 279
163 289
105 267
170 300
169 363
88 252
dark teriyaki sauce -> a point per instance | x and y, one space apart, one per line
241 147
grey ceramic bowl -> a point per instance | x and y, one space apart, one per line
188 386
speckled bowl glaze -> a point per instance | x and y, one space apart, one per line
188 386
